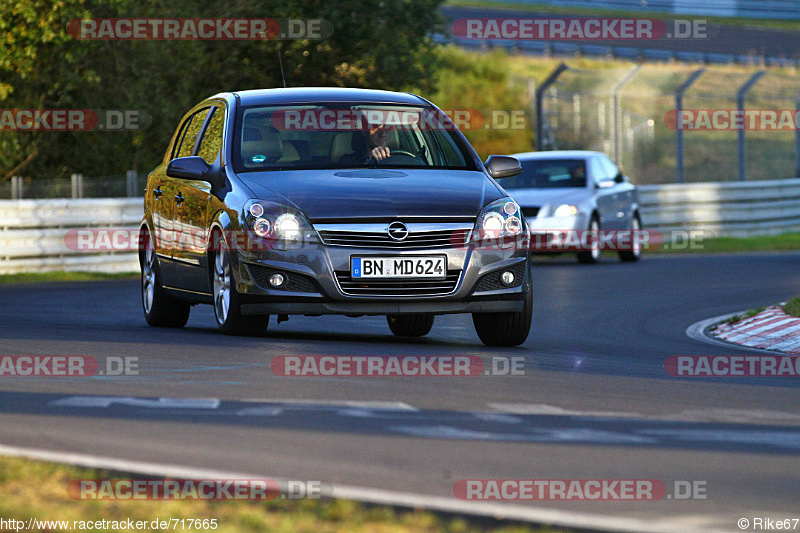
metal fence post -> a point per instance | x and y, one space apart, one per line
740 96
679 92
77 185
616 112
131 178
539 106
16 188
797 140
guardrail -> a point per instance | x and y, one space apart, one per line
757 9
32 231
32 234
735 209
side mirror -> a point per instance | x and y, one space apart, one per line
188 168
620 178
502 166
606 183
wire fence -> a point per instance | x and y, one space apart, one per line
630 114
130 184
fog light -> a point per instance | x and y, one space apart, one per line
276 280
507 277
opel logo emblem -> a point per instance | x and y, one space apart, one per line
398 231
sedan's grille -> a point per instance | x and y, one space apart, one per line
530 212
380 239
415 287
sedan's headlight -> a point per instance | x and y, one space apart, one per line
565 210
271 220
501 218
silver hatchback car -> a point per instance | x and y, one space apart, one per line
563 193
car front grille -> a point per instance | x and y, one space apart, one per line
394 287
376 235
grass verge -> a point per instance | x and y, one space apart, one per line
41 277
35 489
792 307
767 243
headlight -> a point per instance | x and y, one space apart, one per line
270 220
501 218
565 210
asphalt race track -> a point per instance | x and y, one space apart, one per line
594 403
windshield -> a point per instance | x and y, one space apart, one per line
333 136
549 173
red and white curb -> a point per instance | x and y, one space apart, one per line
771 329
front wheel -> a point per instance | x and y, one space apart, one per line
635 253
160 309
227 300
592 255
505 329
416 325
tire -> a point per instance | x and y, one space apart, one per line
416 325
635 253
160 309
505 329
227 300
592 256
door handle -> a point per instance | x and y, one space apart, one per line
179 198
157 192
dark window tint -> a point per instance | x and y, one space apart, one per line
549 173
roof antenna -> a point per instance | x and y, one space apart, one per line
280 60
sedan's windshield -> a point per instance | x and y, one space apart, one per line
345 136
549 173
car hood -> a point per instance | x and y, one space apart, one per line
361 193
550 196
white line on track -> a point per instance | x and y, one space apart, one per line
554 517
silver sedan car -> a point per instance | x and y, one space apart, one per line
577 201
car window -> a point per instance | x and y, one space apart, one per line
610 168
548 173
191 132
343 135
211 143
597 171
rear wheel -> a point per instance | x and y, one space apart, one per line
227 300
160 309
416 325
505 329
635 253
592 255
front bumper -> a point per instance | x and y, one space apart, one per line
550 234
316 289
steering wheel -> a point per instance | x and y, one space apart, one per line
393 153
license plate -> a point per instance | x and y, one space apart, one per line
429 266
